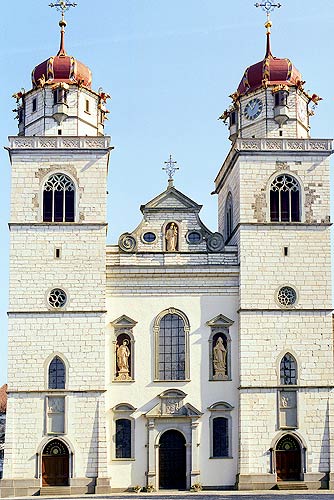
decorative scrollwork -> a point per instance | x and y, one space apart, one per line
215 242
127 243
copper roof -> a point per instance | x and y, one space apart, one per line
3 398
270 71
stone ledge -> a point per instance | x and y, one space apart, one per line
56 142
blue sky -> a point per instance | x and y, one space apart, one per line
170 67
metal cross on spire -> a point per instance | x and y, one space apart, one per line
63 6
170 168
268 6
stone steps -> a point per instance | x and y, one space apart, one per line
291 485
55 490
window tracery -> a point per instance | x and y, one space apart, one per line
288 370
58 199
56 374
285 199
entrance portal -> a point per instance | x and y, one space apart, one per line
288 459
172 460
55 464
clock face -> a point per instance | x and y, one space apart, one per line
253 109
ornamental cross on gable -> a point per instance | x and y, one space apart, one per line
170 168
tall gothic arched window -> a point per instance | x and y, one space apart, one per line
288 370
228 216
171 331
285 199
58 199
57 374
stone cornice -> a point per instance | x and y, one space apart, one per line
34 143
265 146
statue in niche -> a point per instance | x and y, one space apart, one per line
171 238
122 359
219 360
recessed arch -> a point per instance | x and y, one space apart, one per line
288 458
55 463
172 459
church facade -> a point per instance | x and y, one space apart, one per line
180 357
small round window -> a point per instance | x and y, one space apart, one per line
194 237
57 298
287 296
149 237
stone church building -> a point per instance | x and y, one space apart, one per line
179 356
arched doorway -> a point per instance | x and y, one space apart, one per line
55 464
172 460
288 459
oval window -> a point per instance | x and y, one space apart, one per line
149 237
194 237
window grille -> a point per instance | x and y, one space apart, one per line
123 438
220 437
57 374
172 348
288 370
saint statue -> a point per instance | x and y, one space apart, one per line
219 359
171 238
122 358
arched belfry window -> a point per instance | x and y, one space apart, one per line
56 374
58 199
228 216
285 199
288 370
171 339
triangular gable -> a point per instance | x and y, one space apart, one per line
171 198
124 322
220 321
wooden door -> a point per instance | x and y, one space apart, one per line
288 459
172 460
55 470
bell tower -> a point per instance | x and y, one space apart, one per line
56 377
273 196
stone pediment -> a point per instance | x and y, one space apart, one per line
171 405
123 322
171 199
220 321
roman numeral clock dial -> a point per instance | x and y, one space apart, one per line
253 109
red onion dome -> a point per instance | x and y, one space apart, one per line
270 71
61 68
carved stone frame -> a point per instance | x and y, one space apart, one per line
221 409
220 324
171 413
123 325
123 411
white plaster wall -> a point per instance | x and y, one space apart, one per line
201 392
